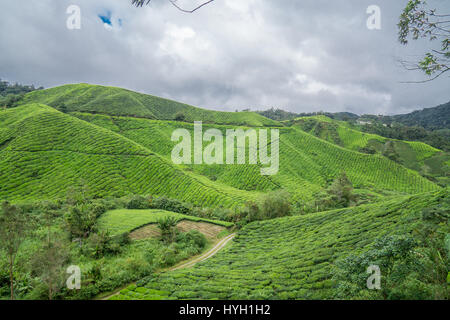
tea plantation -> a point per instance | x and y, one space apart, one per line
411 154
44 152
118 101
306 162
88 164
288 258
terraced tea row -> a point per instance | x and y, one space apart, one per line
46 152
287 258
410 154
118 101
307 163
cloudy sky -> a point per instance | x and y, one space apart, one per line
298 55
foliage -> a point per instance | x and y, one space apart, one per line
292 257
274 204
107 260
411 267
10 101
180 117
193 237
139 202
81 221
48 263
341 191
389 151
167 226
281 115
173 205
338 195
13 230
419 22
394 256
7 88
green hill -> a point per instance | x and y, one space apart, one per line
418 156
117 143
430 118
118 101
288 258
43 153
307 163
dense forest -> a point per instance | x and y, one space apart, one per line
281 115
429 118
11 94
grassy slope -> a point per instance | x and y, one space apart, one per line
413 154
125 220
288 258
118 101
44 152
306 162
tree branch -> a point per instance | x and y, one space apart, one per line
428 80
140 3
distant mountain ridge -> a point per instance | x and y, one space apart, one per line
430 118
434 118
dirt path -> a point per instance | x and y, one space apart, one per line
222 243
217 247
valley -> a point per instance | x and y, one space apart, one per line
91 167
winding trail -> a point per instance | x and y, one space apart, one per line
222 243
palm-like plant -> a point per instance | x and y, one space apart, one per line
167 226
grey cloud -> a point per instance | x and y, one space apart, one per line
301 56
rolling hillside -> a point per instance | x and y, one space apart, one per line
288 258
44 152
117 101
414 155
307 163
117 144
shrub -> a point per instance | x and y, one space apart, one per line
193 237
275 204
98 210
168 257
272 205
180 116
138 202
173 205
81 221
368 150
